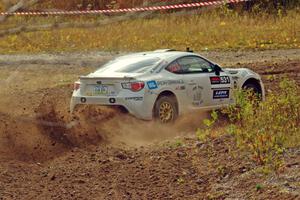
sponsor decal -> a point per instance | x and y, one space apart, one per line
221 94
152 85
215 80
197 95
180 87
134 98
169 82
219 80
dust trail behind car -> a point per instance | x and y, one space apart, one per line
51 130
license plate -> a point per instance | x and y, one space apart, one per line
101 90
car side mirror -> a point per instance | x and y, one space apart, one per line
217 69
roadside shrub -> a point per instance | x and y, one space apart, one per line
206 132
267 128
271 5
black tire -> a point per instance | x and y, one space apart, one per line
254 89
165 110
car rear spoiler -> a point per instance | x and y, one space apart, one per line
106 78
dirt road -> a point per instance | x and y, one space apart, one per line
101 153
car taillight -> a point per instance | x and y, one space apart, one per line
137 86
76 85
134 86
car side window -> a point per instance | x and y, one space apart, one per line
174 67
193 64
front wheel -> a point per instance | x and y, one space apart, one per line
166 109
254 91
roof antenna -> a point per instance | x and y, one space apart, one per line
188 50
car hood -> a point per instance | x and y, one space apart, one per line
240 71
235 70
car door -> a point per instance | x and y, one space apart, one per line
203 87
195 73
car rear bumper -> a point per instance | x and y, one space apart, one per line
136 106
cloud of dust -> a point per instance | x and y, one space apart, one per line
129 131
37 125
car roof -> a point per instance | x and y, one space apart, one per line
164 54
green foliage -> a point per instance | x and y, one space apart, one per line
204 133
267 128
258 187
177 143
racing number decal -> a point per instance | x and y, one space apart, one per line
219 80
225 79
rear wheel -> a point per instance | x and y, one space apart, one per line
166 109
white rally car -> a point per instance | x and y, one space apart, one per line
163 84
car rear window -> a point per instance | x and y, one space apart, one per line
131 65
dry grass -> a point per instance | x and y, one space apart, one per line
214 30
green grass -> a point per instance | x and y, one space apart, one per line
267 129
207 31
264 129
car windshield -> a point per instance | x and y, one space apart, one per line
130 65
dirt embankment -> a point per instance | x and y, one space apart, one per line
102 153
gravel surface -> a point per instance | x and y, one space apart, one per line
94 58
